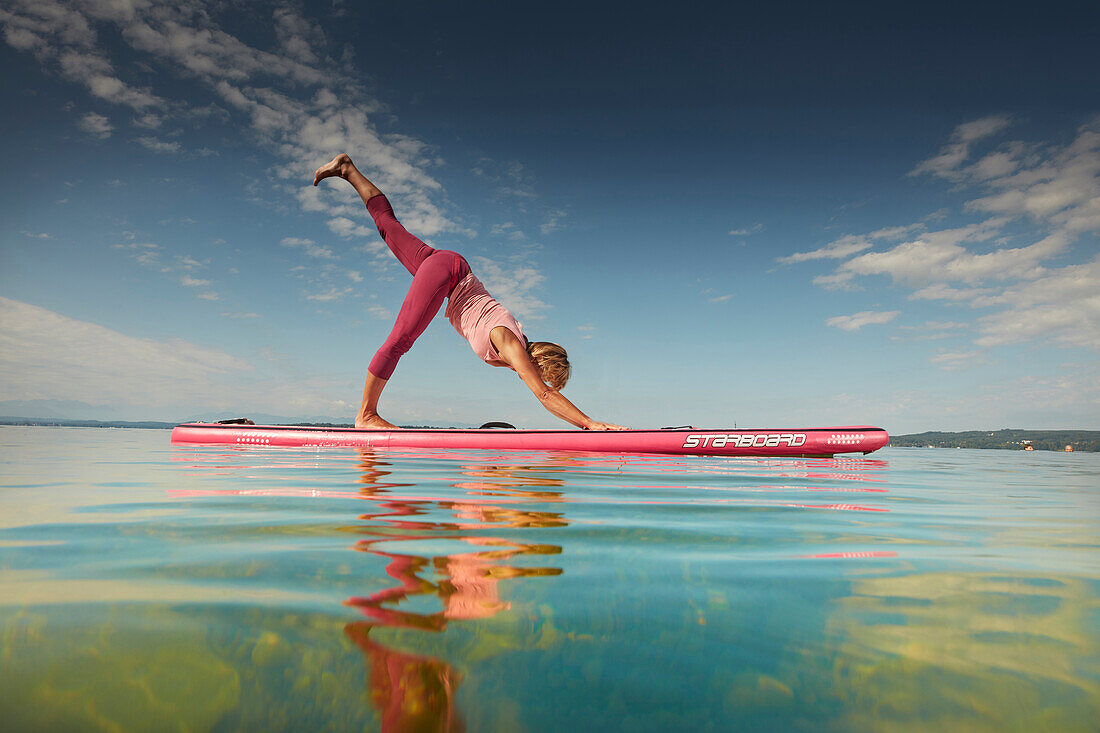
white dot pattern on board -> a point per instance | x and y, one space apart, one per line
844 438
253 439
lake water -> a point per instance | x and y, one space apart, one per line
145 586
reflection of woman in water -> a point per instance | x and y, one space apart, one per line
493 333
413 692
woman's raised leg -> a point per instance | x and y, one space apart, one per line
429 287
408 249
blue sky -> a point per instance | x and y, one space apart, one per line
792 215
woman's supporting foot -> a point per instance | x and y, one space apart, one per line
374 422
340 166
368 417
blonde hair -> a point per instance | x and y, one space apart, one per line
552 361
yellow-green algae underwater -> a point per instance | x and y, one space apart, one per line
150 587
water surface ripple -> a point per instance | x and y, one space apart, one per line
145 586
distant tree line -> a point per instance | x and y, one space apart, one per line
1057 440
64 423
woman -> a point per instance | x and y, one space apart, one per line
493 333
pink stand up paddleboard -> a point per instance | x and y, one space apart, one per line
676 441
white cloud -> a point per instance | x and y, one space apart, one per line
844 247
158 146
297 37
327 296
1072 396
1059 187
934 330
61 36
1041 206
298 102
187 262
857 321
969 132
996 165
953 360
309 247
146 254
507 229
149 120
96 125
947 163
191 282
747 231
937 256
153 257
837 281
380 312
511 181
1064 305
721 298
849 244
553 222
345 227
940 291
936 326
294 96
46 355
512 286
898 232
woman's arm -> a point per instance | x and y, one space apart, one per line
515 355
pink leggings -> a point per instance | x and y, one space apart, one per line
435 273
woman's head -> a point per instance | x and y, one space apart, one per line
552 361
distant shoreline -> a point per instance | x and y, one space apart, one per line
1085 441
57 422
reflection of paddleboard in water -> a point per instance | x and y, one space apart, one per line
682 441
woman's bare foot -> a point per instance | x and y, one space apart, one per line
374 422
340 166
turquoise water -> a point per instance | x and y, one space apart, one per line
151 587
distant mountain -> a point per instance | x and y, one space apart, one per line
64 423
262 418
82 411
57 409
21 412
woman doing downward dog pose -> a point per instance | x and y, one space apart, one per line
493 333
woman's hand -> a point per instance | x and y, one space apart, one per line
514 353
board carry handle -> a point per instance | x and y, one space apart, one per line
495 424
